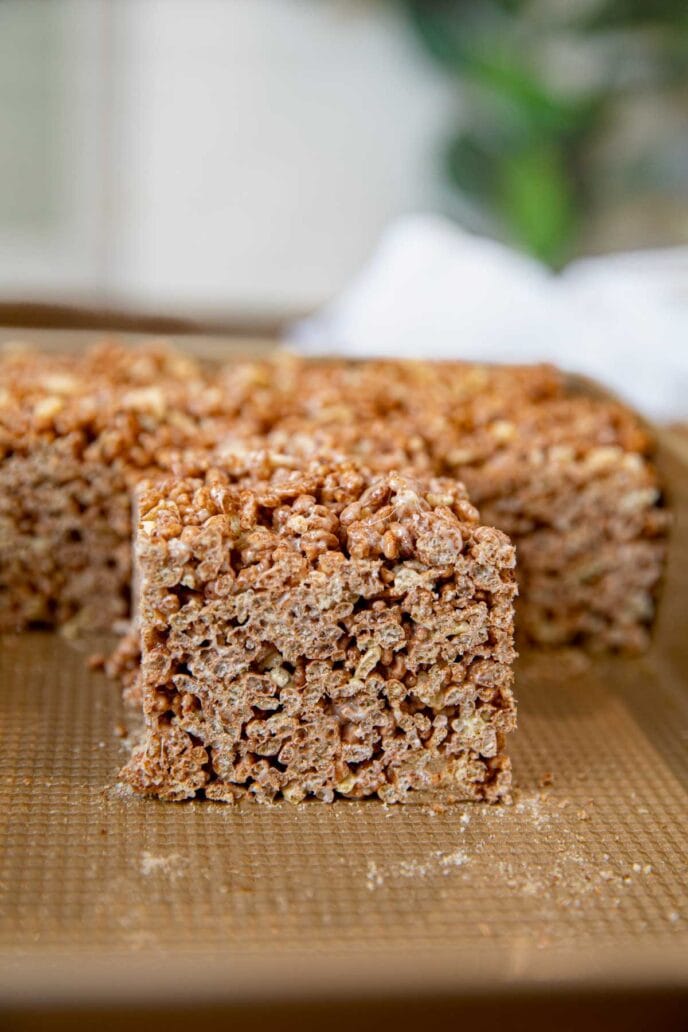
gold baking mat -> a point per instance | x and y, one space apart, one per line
580 881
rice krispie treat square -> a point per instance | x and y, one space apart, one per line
568 477
320 632
77 431
571 482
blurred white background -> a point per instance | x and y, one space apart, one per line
221 155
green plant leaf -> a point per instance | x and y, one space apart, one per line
487 43
624 14
527 159
472 166
534 107
537 203
450 30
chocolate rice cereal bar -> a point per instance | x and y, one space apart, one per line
568 477
76 432
321 631
572 483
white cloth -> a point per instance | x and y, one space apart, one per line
432 290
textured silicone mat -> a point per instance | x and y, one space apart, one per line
596 858
582 880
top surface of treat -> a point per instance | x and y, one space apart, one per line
337 391
110 402
143 403
152 407
423 415
321 507
27 372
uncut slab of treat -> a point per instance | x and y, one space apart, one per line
321 631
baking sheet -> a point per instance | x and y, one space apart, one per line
579 883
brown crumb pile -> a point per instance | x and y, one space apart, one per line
575 873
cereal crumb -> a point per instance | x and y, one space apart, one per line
374 877
166 865
456 859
